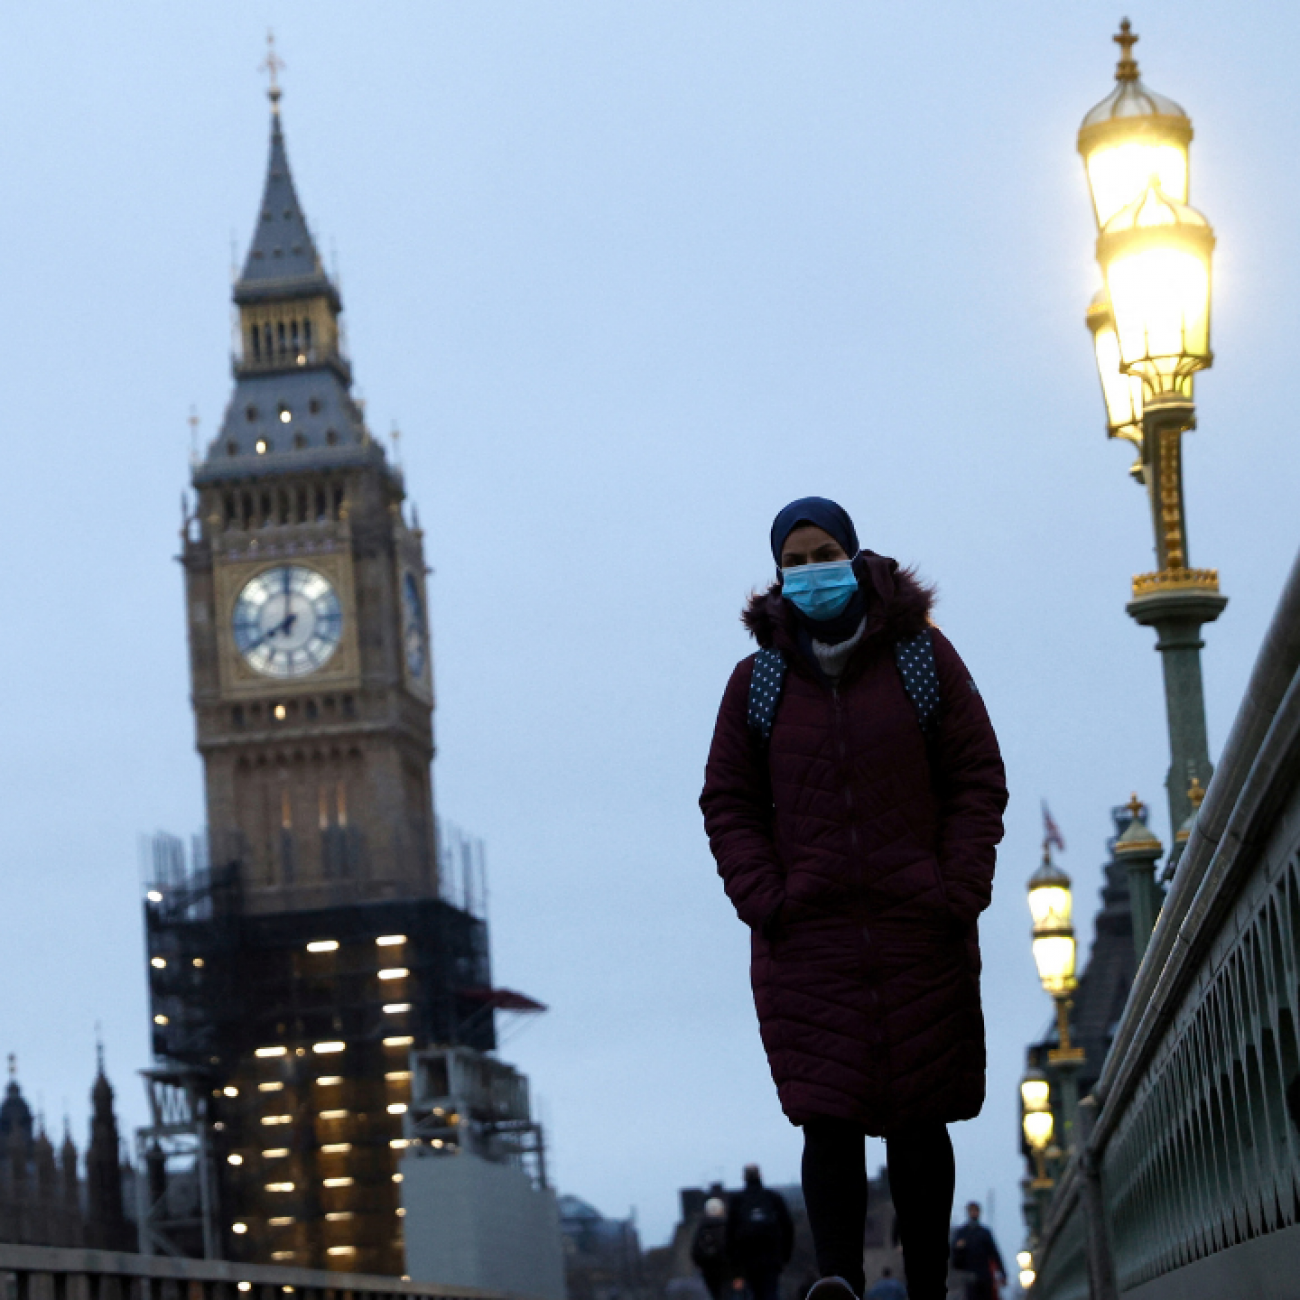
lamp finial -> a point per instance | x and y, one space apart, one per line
1196 794
1126 40
1134 806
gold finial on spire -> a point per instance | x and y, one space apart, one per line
1134 806
1196 794
1126 40
273 65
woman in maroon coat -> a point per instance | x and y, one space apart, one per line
859 849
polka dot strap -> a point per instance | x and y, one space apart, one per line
765 692
915 660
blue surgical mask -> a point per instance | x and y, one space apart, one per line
820 590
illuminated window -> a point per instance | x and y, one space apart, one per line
336 1148
154 896
394 973
341 1250
235 1159
401 1212
282 1254
333 1114
336 1182
397 1075
397 1178
282 1221
326 1048
323 945
327 1079
158 963
337 1216
397 1108
161 1020
271 1051
399 1143
230 1090
245 1286
198 963
274 1086
285 415
240 1229
274 1153
277 1119
279 1187
399 1040
281 713
396 1008
262 446
390 940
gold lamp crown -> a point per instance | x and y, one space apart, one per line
1132 135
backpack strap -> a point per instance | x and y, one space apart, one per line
916 666
920 674
765 693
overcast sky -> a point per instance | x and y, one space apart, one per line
629 276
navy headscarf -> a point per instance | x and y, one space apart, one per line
825 514
833 519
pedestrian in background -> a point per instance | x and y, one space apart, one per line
887 1288
709 1248
975 1252
853 800
760 1236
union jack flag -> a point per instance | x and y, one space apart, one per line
1051 831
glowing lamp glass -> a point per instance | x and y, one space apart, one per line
1036 1094
1027 1277
1156 257
1051 906
1038 1125
1119 172
1054 957
1024 1259
1122 393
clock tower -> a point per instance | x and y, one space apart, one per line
306 605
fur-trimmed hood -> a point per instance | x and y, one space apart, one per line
898 605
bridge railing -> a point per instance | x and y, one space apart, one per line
1193 1158
66 1273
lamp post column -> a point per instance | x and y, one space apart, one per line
1176 600
1065 1060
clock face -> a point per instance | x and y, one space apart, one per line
413 626
288 621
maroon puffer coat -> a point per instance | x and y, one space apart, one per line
861 863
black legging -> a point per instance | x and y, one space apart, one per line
921 1178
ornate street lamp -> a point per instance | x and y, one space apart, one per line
1038 1123
1151 333
1051 905
1025 1263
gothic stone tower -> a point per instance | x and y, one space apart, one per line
293 979
306 602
